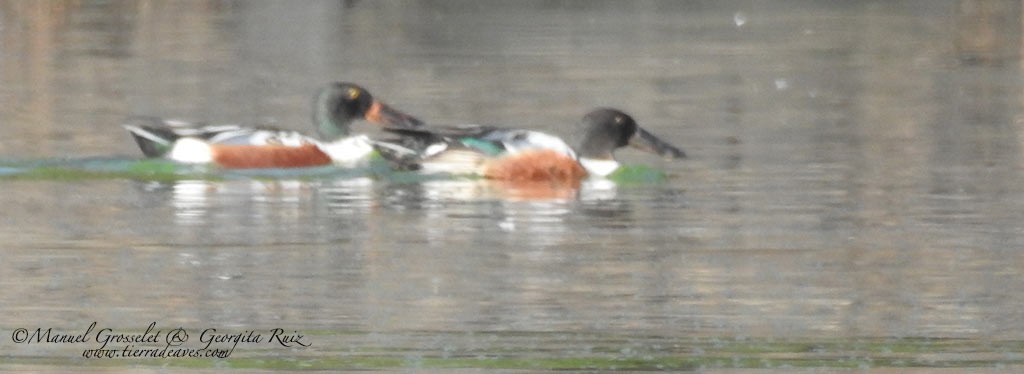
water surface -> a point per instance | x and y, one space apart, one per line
853 197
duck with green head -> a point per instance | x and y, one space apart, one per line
335 108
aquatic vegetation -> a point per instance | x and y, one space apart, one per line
164 170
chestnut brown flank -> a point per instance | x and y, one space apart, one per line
268 156
539 165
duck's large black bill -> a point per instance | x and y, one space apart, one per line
646 141
387 116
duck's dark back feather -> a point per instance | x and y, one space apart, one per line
474 131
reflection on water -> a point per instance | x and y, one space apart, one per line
855 173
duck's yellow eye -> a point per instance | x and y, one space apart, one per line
353 93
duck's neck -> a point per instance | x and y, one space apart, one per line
328 125
601 167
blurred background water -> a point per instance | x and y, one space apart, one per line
854 175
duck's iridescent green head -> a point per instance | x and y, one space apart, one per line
340 103
336 106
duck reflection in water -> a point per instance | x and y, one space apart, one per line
236 205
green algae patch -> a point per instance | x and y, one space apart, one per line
161 170
637 174
155 170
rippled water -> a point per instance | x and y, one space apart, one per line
853 197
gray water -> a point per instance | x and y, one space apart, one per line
854 186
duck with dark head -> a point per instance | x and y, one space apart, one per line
335 108
524 155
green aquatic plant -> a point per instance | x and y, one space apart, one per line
75 170
156 169
637 174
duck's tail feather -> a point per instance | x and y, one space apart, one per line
154 138
403 153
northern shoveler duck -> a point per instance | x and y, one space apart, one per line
523 155
232 146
